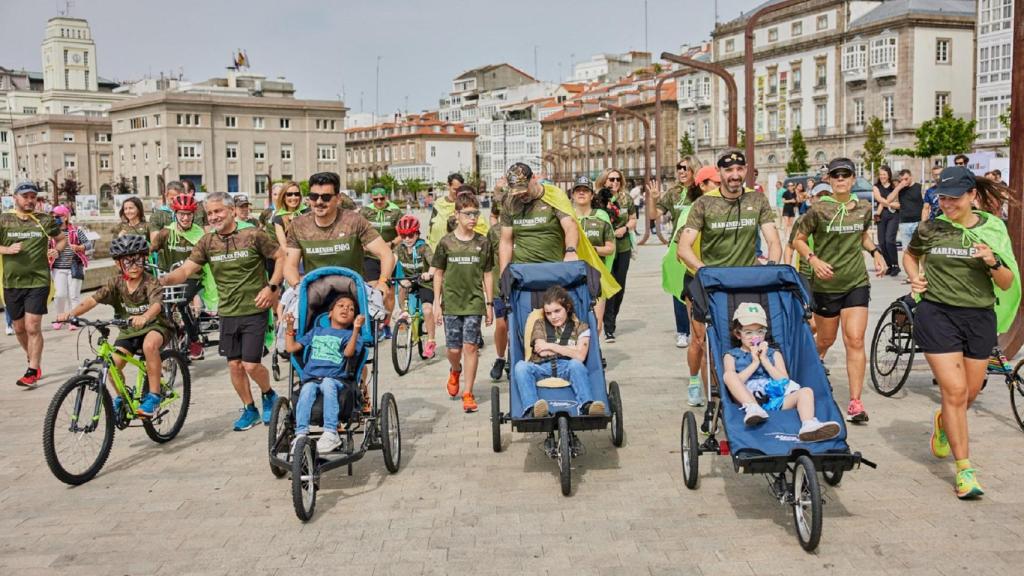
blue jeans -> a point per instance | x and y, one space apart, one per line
907 230
527 374
329 387
682 318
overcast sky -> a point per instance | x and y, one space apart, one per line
330 48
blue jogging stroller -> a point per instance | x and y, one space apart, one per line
522 286
771 448
376 422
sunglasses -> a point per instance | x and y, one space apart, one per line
379 198
614 179
682 168
292 194
470 213
314 197
842 175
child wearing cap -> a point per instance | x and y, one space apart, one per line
756 376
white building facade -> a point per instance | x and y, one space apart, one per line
994 64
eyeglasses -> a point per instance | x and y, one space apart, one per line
410 235
314 197
842 175
614 179
682 167
183 214
470 213
135 260
753 333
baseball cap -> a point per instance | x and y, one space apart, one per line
26 186
583 182
241 200
838 164
378 191
61 210
707 173
519 176
821 187
731 158
750 313
955 181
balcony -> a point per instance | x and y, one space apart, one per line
703 101
855 128
687 103
854 75
821 131
820 86
884 69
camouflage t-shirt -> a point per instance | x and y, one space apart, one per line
160 218
494 237
172 247
140 229
802 265
238 262
729 227
415 261
837 237
29 268
537 233
129 303
338 244
955 277
464 264
672 202
540 332
626 209
383 221
598 231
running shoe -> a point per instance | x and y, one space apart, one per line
609 338
118 402
57 325
695 396
196 351
940 444
755 414
682 340
453 382
469 403
31 378
149 405
268 406
855 412
497 369
249 418
429 349
329 442
10 331
540 408
815 431
967 485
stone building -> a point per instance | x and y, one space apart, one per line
56 147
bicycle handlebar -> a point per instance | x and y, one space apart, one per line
82 322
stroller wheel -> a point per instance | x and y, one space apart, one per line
832 478
565 455
806 503
391 434
304 478
690 450
615 399
279 440
496 418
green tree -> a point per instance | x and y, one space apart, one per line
1004 119
874 144
942 136
69 188
741 139
798 158
414 186
123 186
685 145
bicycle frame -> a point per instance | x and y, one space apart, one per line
105 357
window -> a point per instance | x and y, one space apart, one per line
188 119
145 152
69 136
989 109
4 160
730 45
707 129
104 161
796 76
858 111
942 55
67 79
773 122
286 151
888 107
70 161
855 57
883 51
138 123
85 57
941 102
190 150
325 124
29 109
231 122
796 117
797 28
773 34
433 150
822 22
326 152
3 136
257 122
65 57
259 151
120 150
820 74
996 15
261 184
231 151
821 115
286 123
159 151
994 63
773 83
86 80
156 120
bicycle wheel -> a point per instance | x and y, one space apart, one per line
176 389
391 434
1016 384
806 503
422 340
401 347
892 352
78 431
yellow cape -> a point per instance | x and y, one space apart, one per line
445 209
557 199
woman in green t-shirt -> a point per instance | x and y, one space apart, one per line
960 265
598 228
623 226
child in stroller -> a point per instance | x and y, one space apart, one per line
756 377
330 347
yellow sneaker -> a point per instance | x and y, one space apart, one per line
940 445
967 485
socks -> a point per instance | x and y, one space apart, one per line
963 464
695 381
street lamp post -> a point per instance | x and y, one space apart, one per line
590 133
730 88
647 165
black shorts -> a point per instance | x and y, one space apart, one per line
134 344
942 329
371 269
687 282
828 305
21 301
426 295
242 337
500 311
788 211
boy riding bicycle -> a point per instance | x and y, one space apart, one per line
139 297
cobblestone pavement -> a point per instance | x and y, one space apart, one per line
206 502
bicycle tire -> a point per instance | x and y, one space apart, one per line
401 347
53 459
184 378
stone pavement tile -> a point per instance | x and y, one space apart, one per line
725 568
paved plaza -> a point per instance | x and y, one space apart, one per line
206 503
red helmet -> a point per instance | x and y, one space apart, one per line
184 203
408 225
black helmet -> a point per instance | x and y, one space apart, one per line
127 245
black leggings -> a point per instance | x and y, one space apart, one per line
620 267
888 226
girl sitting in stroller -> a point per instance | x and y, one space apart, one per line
756 377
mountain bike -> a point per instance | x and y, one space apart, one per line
78 431
408 331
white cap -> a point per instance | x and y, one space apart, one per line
749 313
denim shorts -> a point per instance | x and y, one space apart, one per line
462 329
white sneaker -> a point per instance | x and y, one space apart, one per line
329 442
815 431
682 340
10 331
755 414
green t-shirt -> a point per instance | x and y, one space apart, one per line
127 303
384 221
339 244
415 261
537 233
838 231
802 266
955 277
672 202
140 229
160 218
626 209
464 264
30 267
729 227
494 237
238 262
173 246
597 230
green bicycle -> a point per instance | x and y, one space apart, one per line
78 432
408 332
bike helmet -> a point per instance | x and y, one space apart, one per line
184 203
128 245
407 225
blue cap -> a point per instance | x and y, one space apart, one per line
26 186
955 181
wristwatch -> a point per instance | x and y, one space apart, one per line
873 251
811 255
997 265
274 287
570 249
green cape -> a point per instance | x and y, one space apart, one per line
557 199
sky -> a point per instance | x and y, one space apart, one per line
330 50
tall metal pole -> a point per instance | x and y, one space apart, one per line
730 88
1014 339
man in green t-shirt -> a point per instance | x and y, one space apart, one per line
532 230
383 215
25 243
237 254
